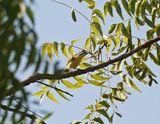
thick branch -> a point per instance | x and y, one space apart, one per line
39 76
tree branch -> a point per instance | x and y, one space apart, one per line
39 76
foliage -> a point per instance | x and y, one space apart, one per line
18 40
119 40
18 44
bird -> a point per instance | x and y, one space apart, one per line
75 60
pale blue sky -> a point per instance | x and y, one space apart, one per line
53 23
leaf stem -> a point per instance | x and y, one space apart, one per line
74 9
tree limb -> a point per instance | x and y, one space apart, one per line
39 76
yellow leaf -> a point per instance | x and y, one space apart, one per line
64 49
71 51
62 95
96 83
50 51
88 44
79 84
55 48
118 33
44 49
68 84
74 41
39 93
79 79
98 77
51 97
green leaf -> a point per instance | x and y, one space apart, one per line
47 116
111 119
62 95
132 5
93 40
129 30
90 107
79 84
154 59
64 49
158 29
118 99
137 6
98 119
142 10
149 23
75 41
73 15
30 14
50 51
71 51
119 51
76 122
68 84
87 116
99 14
88 43
158 51
105 104
99 77
134 86
118 34
95 18
124 31
106 96
51 97
150 34
153 13
129 39
39 93
130 83
118 95
55 48
96 28
91 3
96 83
118 8
112 28
108 9
146 53
139 22
85 65
126 6
103 112
79 79
148 69
44 49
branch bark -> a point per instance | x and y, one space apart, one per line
39 76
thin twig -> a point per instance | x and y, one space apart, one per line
31 116
71 8
55 88
16 100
